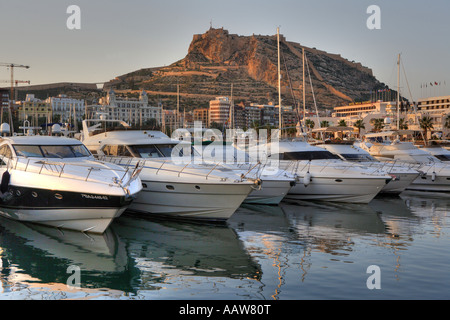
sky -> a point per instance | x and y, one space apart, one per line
116 37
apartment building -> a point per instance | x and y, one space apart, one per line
132 111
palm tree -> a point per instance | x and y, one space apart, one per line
378 124
447 121
342 123
402 124
324 124
359 124
426 123
309 123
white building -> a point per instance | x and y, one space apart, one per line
132 111
438 108
66 108
219 110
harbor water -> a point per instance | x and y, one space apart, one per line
395 247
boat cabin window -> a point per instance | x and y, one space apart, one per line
443 157
28 151
116 150
307 155
163 150
148 151
166 149
357 157
47 151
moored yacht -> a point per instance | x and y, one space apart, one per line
275 183
322 175
56 181
402 176
439 152
178 189
435 173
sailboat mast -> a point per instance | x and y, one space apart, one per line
178 108
304 89
232 109
280 125
398 92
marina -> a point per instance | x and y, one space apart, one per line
247 168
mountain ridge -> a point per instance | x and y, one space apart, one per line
222 64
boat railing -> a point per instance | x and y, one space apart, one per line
62 170
343 167
205 170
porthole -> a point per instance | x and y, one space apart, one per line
424 178
58 196
34 194
197 187
338 180
169 187
144 185
18 193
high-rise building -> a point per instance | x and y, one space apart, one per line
4 98
219 110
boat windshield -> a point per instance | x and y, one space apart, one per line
308 155
443 157
423 158
358 157
47 151
163 150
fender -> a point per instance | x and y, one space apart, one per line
4 185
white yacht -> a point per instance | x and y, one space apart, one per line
322 176
435 173
275 183
56 181
439 152
186 189
402 176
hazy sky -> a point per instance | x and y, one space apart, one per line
118 37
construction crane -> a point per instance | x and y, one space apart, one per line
12 66
16 82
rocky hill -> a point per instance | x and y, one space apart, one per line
221 64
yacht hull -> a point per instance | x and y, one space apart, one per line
272 192
399 183
199 201
428 183
92 220
350 190
78 211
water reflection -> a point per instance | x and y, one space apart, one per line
168 248
296 250
429 206
133 255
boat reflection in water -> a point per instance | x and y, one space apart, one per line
132 256
170 248
297 242
297 250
